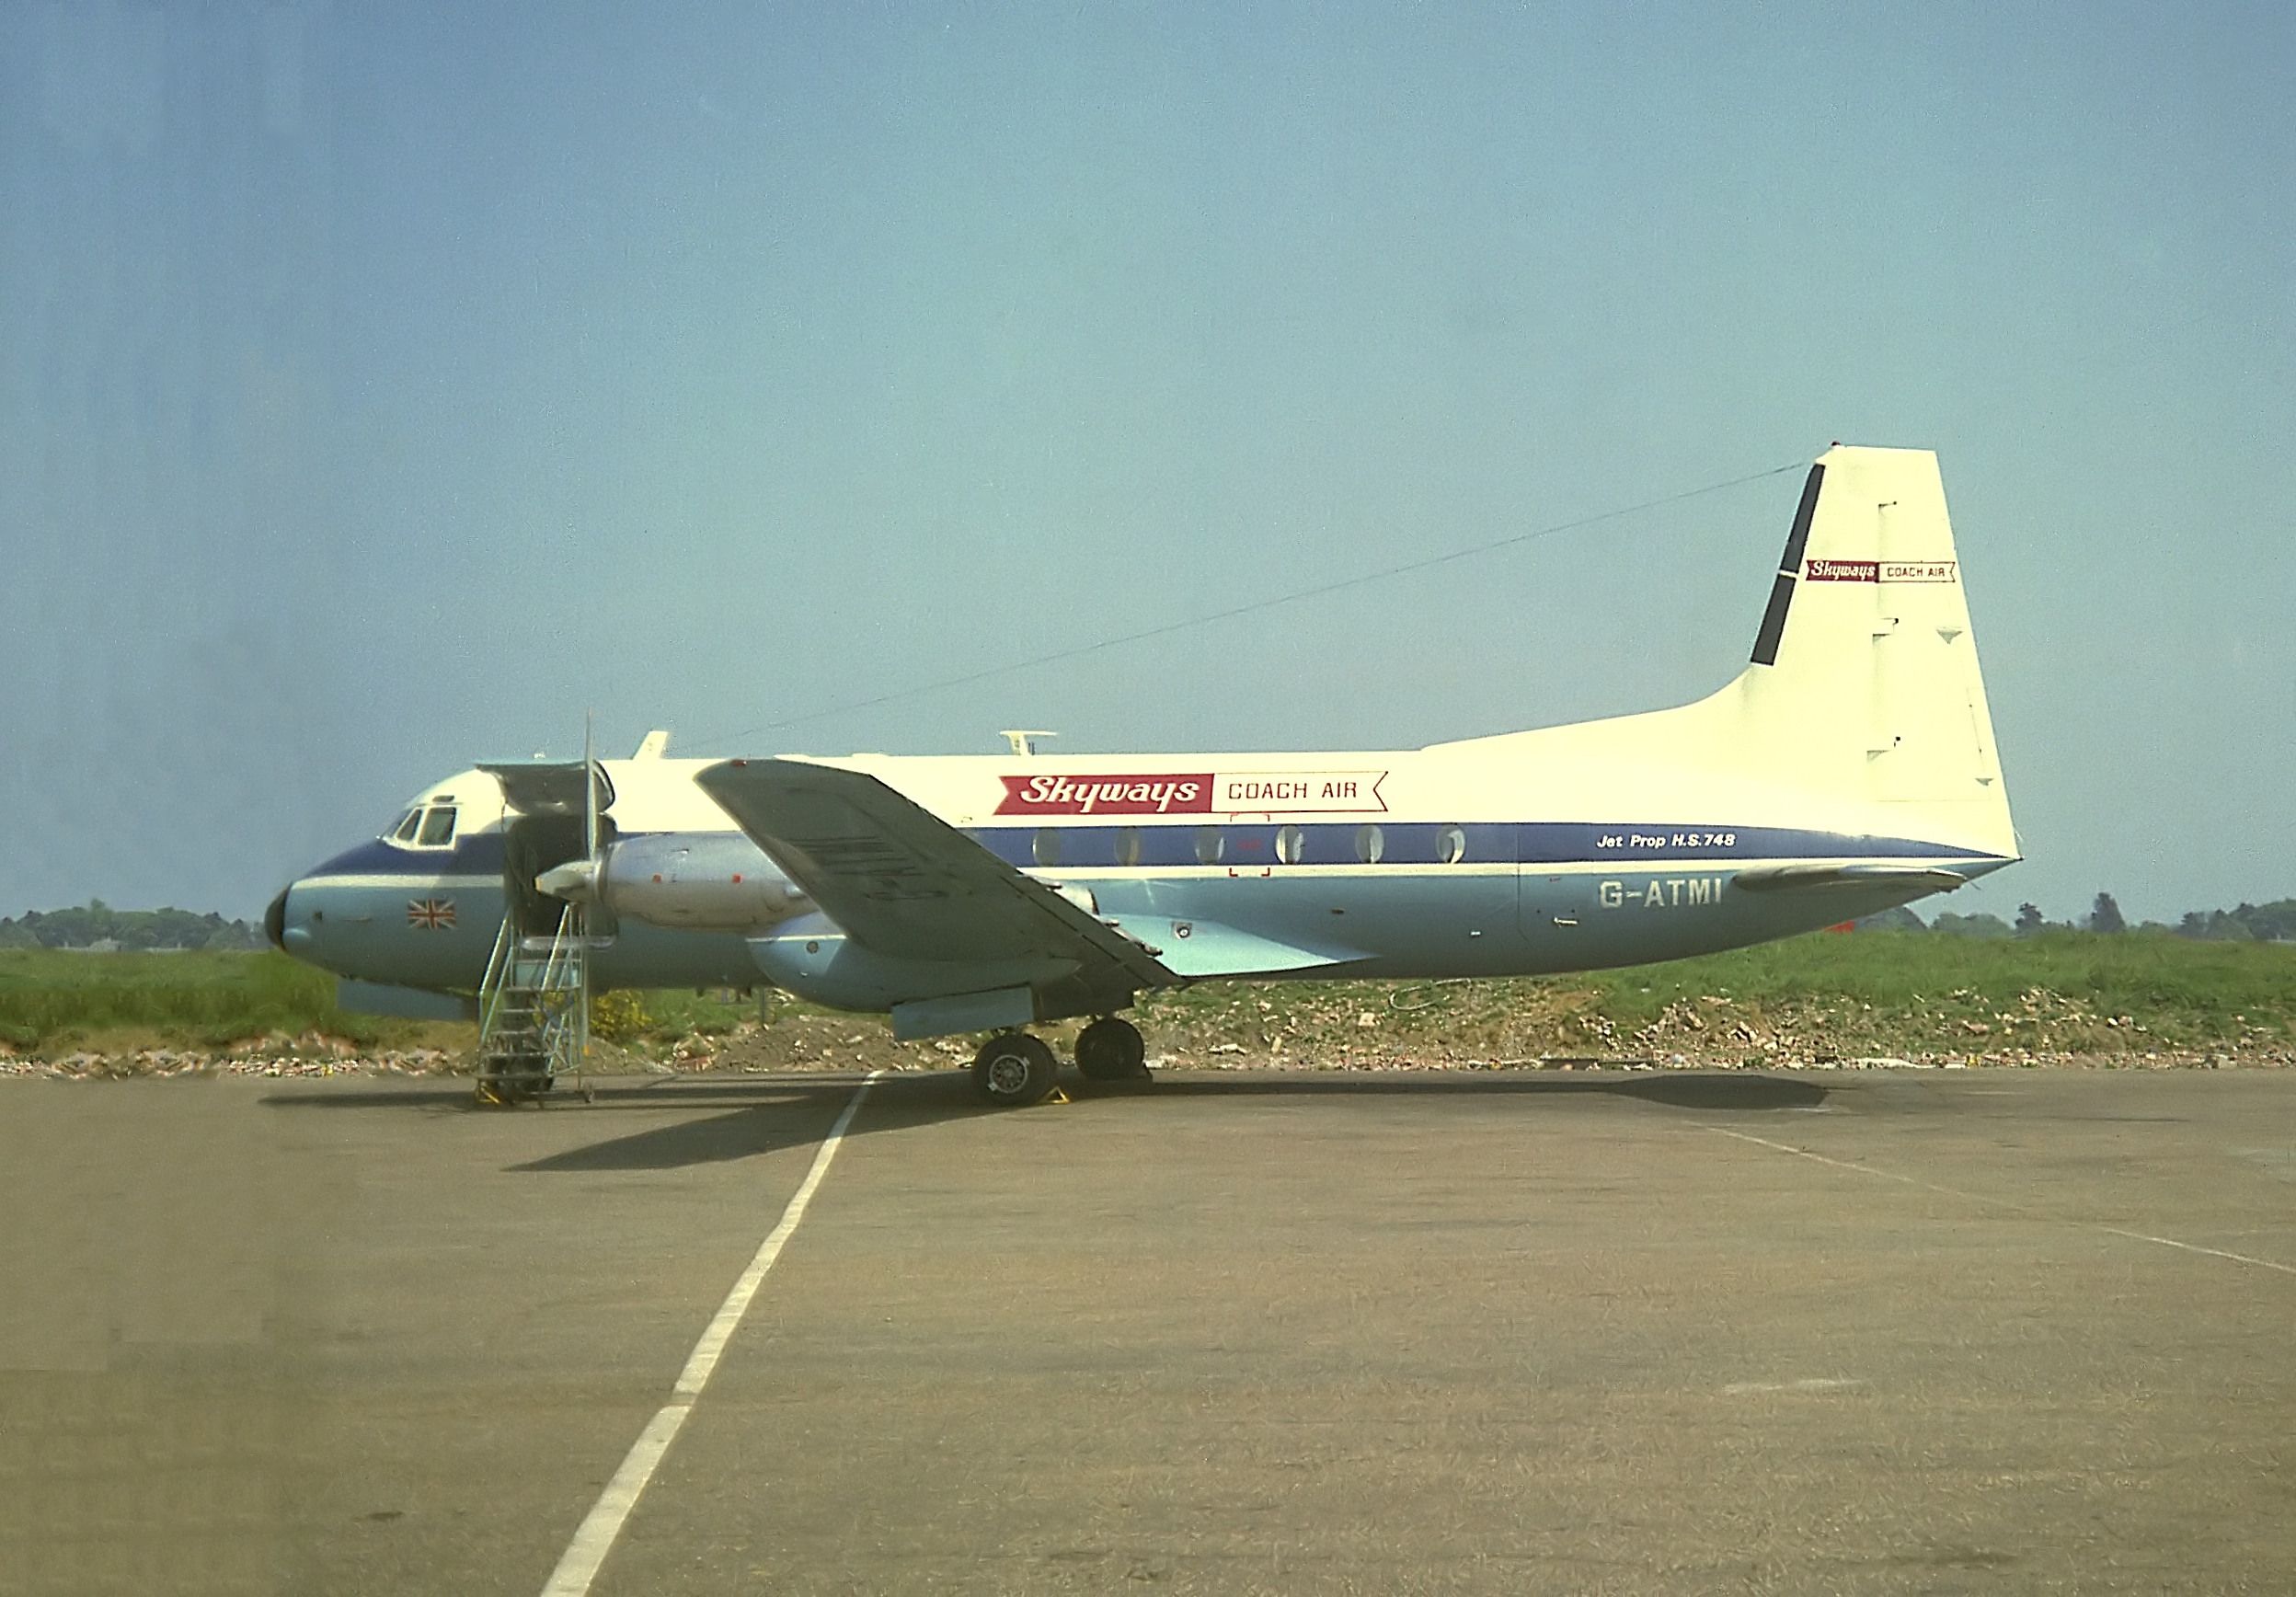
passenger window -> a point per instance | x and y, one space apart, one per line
1450 844
1371 844
405 831
1291 844
1128 847
1047 846
438 828
1209 844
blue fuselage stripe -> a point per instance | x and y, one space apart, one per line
474 853
1422 844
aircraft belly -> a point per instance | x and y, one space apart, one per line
1366 924
643 956
812 958
1606 916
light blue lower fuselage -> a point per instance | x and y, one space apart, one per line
1516 902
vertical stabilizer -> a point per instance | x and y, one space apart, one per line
1864 679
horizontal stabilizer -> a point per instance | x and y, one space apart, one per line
1786 878
1198 949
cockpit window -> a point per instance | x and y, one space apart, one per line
405 830
438 827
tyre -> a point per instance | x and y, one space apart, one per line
1111 1050
1014 1070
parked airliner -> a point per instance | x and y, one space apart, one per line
1850 767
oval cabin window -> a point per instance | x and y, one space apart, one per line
1450 844
1291 844
1209 844
1047 846
1371 844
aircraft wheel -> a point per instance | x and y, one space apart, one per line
1111 1050
1014 1070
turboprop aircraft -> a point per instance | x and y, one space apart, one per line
1850 767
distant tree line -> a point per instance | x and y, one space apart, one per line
2275 922
98 925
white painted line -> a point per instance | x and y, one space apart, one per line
2196 1247
1809 1383
2002 1203
594 1538
1837 1164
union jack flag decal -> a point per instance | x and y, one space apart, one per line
431 915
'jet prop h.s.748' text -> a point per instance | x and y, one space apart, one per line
1849 768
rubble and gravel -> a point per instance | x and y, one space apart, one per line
1422 1026
309 1055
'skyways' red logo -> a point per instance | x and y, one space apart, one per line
1843 571
1163 794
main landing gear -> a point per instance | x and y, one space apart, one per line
1014 1069
1111 1050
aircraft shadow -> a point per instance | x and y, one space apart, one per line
1719 1091
768 1114
453 1094
740 1133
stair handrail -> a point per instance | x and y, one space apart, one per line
564 1024
491 985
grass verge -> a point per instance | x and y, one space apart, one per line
1874 992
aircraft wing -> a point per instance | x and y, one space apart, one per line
906 884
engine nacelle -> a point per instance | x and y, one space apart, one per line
703 882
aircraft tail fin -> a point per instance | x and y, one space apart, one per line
1864 679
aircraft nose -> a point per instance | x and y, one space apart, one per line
292 934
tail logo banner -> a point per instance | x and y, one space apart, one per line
1882 572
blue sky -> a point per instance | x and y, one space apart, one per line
381 387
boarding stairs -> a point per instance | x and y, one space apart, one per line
534 1011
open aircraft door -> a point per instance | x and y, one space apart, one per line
545 825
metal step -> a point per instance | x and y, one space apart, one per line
534 1010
